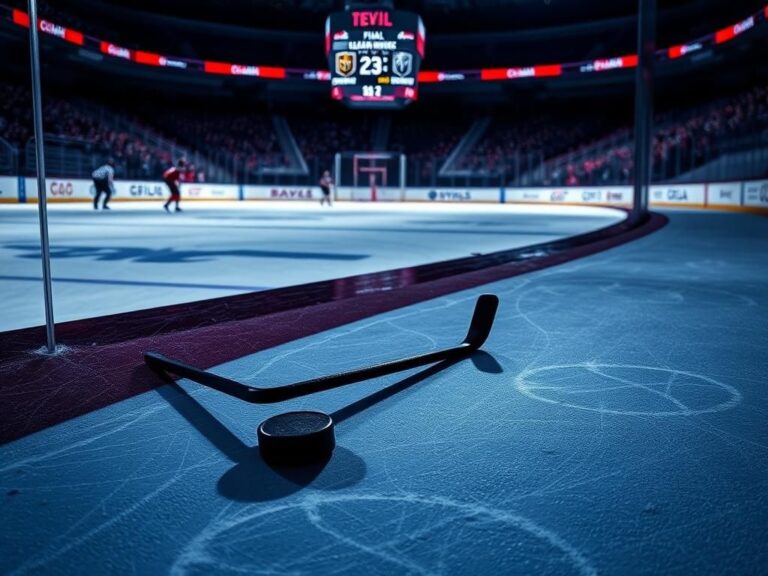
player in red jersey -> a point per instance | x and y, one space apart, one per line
172 177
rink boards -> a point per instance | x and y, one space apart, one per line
749 195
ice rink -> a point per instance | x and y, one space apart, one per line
612 424
136 256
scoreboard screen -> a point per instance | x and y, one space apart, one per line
374 57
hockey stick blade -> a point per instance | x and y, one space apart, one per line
482 320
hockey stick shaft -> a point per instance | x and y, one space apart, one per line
480 326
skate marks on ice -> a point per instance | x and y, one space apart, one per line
404 533
627 389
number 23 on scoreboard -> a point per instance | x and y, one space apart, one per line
372 65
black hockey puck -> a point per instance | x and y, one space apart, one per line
297 438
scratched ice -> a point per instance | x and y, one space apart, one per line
616 425
403 534
630 390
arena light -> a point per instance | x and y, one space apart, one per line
272 72
71 36
524 72
229 69
729 33
601 65
20 18
147 58
114 50
427 76
681 50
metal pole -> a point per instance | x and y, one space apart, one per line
646 49
37 110
402 176
337 172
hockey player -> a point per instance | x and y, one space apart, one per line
172 177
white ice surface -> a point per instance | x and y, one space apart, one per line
136 256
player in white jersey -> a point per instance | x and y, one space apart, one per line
103 183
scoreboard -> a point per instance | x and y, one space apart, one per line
374 57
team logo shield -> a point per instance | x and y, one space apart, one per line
402 63
345 63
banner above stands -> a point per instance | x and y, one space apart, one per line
710 41
719 195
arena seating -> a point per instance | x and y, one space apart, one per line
427 140
509 143
684 139
245 143
320 137
87 130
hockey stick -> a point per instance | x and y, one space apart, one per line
479 329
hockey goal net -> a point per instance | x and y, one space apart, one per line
370 176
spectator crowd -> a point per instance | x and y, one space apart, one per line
427 141
244 144
241 143
684 139
511 146
320 137
85 129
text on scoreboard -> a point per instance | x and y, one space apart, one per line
374 57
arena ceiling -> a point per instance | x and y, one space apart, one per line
441 16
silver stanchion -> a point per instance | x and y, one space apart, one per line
37 111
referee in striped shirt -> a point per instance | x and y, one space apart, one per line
103 178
